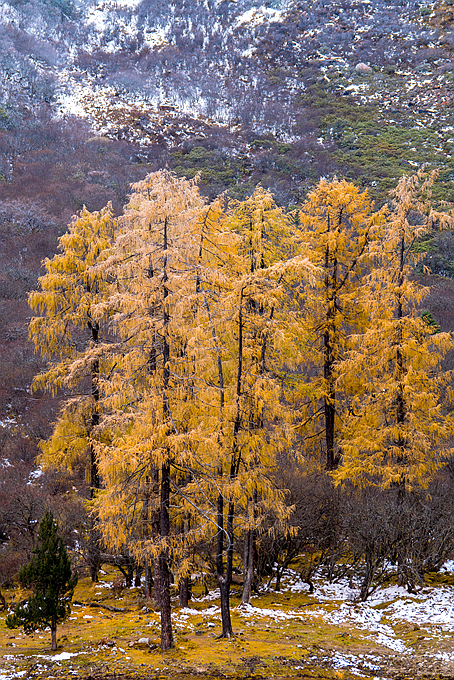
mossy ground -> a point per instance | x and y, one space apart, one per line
102 643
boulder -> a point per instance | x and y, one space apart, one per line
363 68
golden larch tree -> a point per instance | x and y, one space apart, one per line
71 338
400 424
337 225
149 392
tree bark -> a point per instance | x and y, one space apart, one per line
53 630
224 580
157 584
94 559
156 532
185 589
145 533
248 566
248 555
147 579
94 547
164 574
328 360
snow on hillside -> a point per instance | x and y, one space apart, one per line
229 63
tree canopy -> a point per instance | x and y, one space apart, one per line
236 334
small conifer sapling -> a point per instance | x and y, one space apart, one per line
49 576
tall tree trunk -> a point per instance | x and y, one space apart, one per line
94 421
328 360
225 579
53 631
146 536
249 538
248 566
249 550
185 582
147 578
94 546
94 560
400 406
185 592
156 532
330 413
157 583
164 574
400 419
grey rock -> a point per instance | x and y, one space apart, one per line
363 68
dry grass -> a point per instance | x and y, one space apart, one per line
105 643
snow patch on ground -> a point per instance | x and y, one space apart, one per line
212 595
9 15
248 611
352 662
64 656
6 422
431 608
259 15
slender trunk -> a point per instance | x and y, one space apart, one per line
156 584
220 539
94 545
185 582
156 531
185 591
368 577
151 565
400 406
225 580
164 574
94 422
400 419
249 539
248 566
249 550
147 578
94 560
130 571
224 589
53 630
146 536
278 578
329 424
328 360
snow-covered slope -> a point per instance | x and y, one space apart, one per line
234 63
